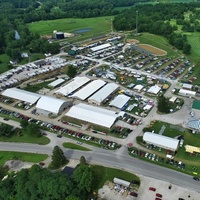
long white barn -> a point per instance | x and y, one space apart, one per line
93 115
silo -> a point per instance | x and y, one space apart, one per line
59 35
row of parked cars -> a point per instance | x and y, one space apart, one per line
61 130
154 157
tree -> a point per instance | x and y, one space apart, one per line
24 124
58 157
33 130
71 71
72 198
83 160
163 104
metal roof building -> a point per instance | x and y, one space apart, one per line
98 97
21 95
161 141
187 92
121 182
56 82
154 89
93 115
89 89
51 105
119 101
100 47
76 83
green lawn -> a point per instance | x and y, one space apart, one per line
29 157
155 40
4 60
99 25
25 138
103 174
70 145
189 139
36 87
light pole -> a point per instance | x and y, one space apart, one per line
136 25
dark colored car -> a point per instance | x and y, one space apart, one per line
152 189
159 195
135 182
196 178
133 194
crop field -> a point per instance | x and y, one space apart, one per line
98 25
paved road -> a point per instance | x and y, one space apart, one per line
111 159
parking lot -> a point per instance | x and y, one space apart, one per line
144 193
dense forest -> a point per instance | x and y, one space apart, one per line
14 15
38 183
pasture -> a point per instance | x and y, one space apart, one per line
98 26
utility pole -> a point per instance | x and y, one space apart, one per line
136 25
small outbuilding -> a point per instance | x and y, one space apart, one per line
121 182
154 89
119 101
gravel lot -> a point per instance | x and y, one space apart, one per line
176 192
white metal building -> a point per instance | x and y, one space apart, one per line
161 141
48 105
187 86
119 101
101 95
76 83
187 92
21 95
56 82
100 47
89 89
93 115
154 89
121 182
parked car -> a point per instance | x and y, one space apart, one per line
159 195
152 189
196 178
133 194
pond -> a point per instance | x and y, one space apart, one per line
84 30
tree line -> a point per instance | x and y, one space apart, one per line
155 19
39 183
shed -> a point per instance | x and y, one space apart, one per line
119 101
187 92
56 82
187 86
138 87
121 182
154 89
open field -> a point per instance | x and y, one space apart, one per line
98 25
29 157
156 41
4 60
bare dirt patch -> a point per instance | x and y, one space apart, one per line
154 50
133 41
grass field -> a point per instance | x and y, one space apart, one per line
99 25
29 157
155 40
103 174
4 60
70 145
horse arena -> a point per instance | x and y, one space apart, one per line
154 50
